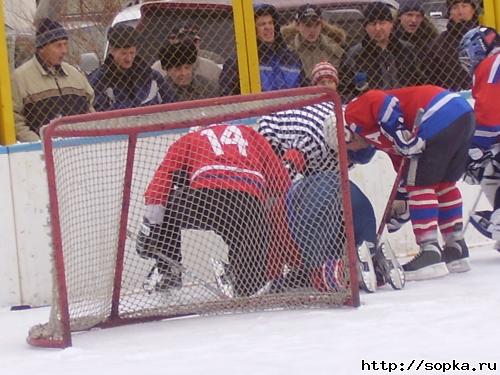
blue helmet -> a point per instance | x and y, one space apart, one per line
476 45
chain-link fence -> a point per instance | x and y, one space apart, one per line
163 51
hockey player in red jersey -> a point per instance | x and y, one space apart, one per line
437 153
479 53
218 178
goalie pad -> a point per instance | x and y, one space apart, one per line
487 223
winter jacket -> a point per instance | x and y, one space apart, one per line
200 88
366 65
41 94
202 67
422 38
442 57
136 87
326 48
279 68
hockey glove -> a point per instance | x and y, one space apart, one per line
400 213
477 162
408 145
148 240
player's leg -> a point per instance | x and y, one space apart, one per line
318 232
242 223
386 267
455 250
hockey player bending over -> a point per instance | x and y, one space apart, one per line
479 53
229 173
437 153
306 141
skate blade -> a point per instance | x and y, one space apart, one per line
426 273
220 277
397 278
367 278
459 265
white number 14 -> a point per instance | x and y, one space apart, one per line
231 136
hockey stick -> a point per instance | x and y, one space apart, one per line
179 267
397 180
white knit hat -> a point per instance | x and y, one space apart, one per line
324 69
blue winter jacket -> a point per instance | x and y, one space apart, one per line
136 87
280 68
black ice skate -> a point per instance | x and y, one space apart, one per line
162 280
427 264
456 256
387 267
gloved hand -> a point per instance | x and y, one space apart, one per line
400 214
407 144
478 160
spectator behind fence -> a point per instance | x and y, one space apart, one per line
313 39
380 60
279 67
45 87
125 80
414 27
203 66
443 53
178 60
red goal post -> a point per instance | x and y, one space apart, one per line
98 168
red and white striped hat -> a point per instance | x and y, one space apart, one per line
324 69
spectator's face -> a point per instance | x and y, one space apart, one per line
265 28
327 82
311 29
411 21
53 54
181 75
124 57
379 31
461 12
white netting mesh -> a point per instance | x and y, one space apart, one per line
234 233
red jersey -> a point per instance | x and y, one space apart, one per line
486 92
376 108
221 157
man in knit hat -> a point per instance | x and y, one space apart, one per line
380 60
46 87
413 26
125 80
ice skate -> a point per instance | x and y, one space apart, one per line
387 267
427 264
367 278
456 256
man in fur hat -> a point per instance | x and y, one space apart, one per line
178 60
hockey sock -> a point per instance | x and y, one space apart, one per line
423 203
450 211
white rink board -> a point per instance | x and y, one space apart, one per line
30 202
9 275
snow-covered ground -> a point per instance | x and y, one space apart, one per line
453 318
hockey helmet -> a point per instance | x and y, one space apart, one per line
476 45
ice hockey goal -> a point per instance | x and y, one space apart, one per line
100 165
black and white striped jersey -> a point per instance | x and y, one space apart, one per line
302 130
